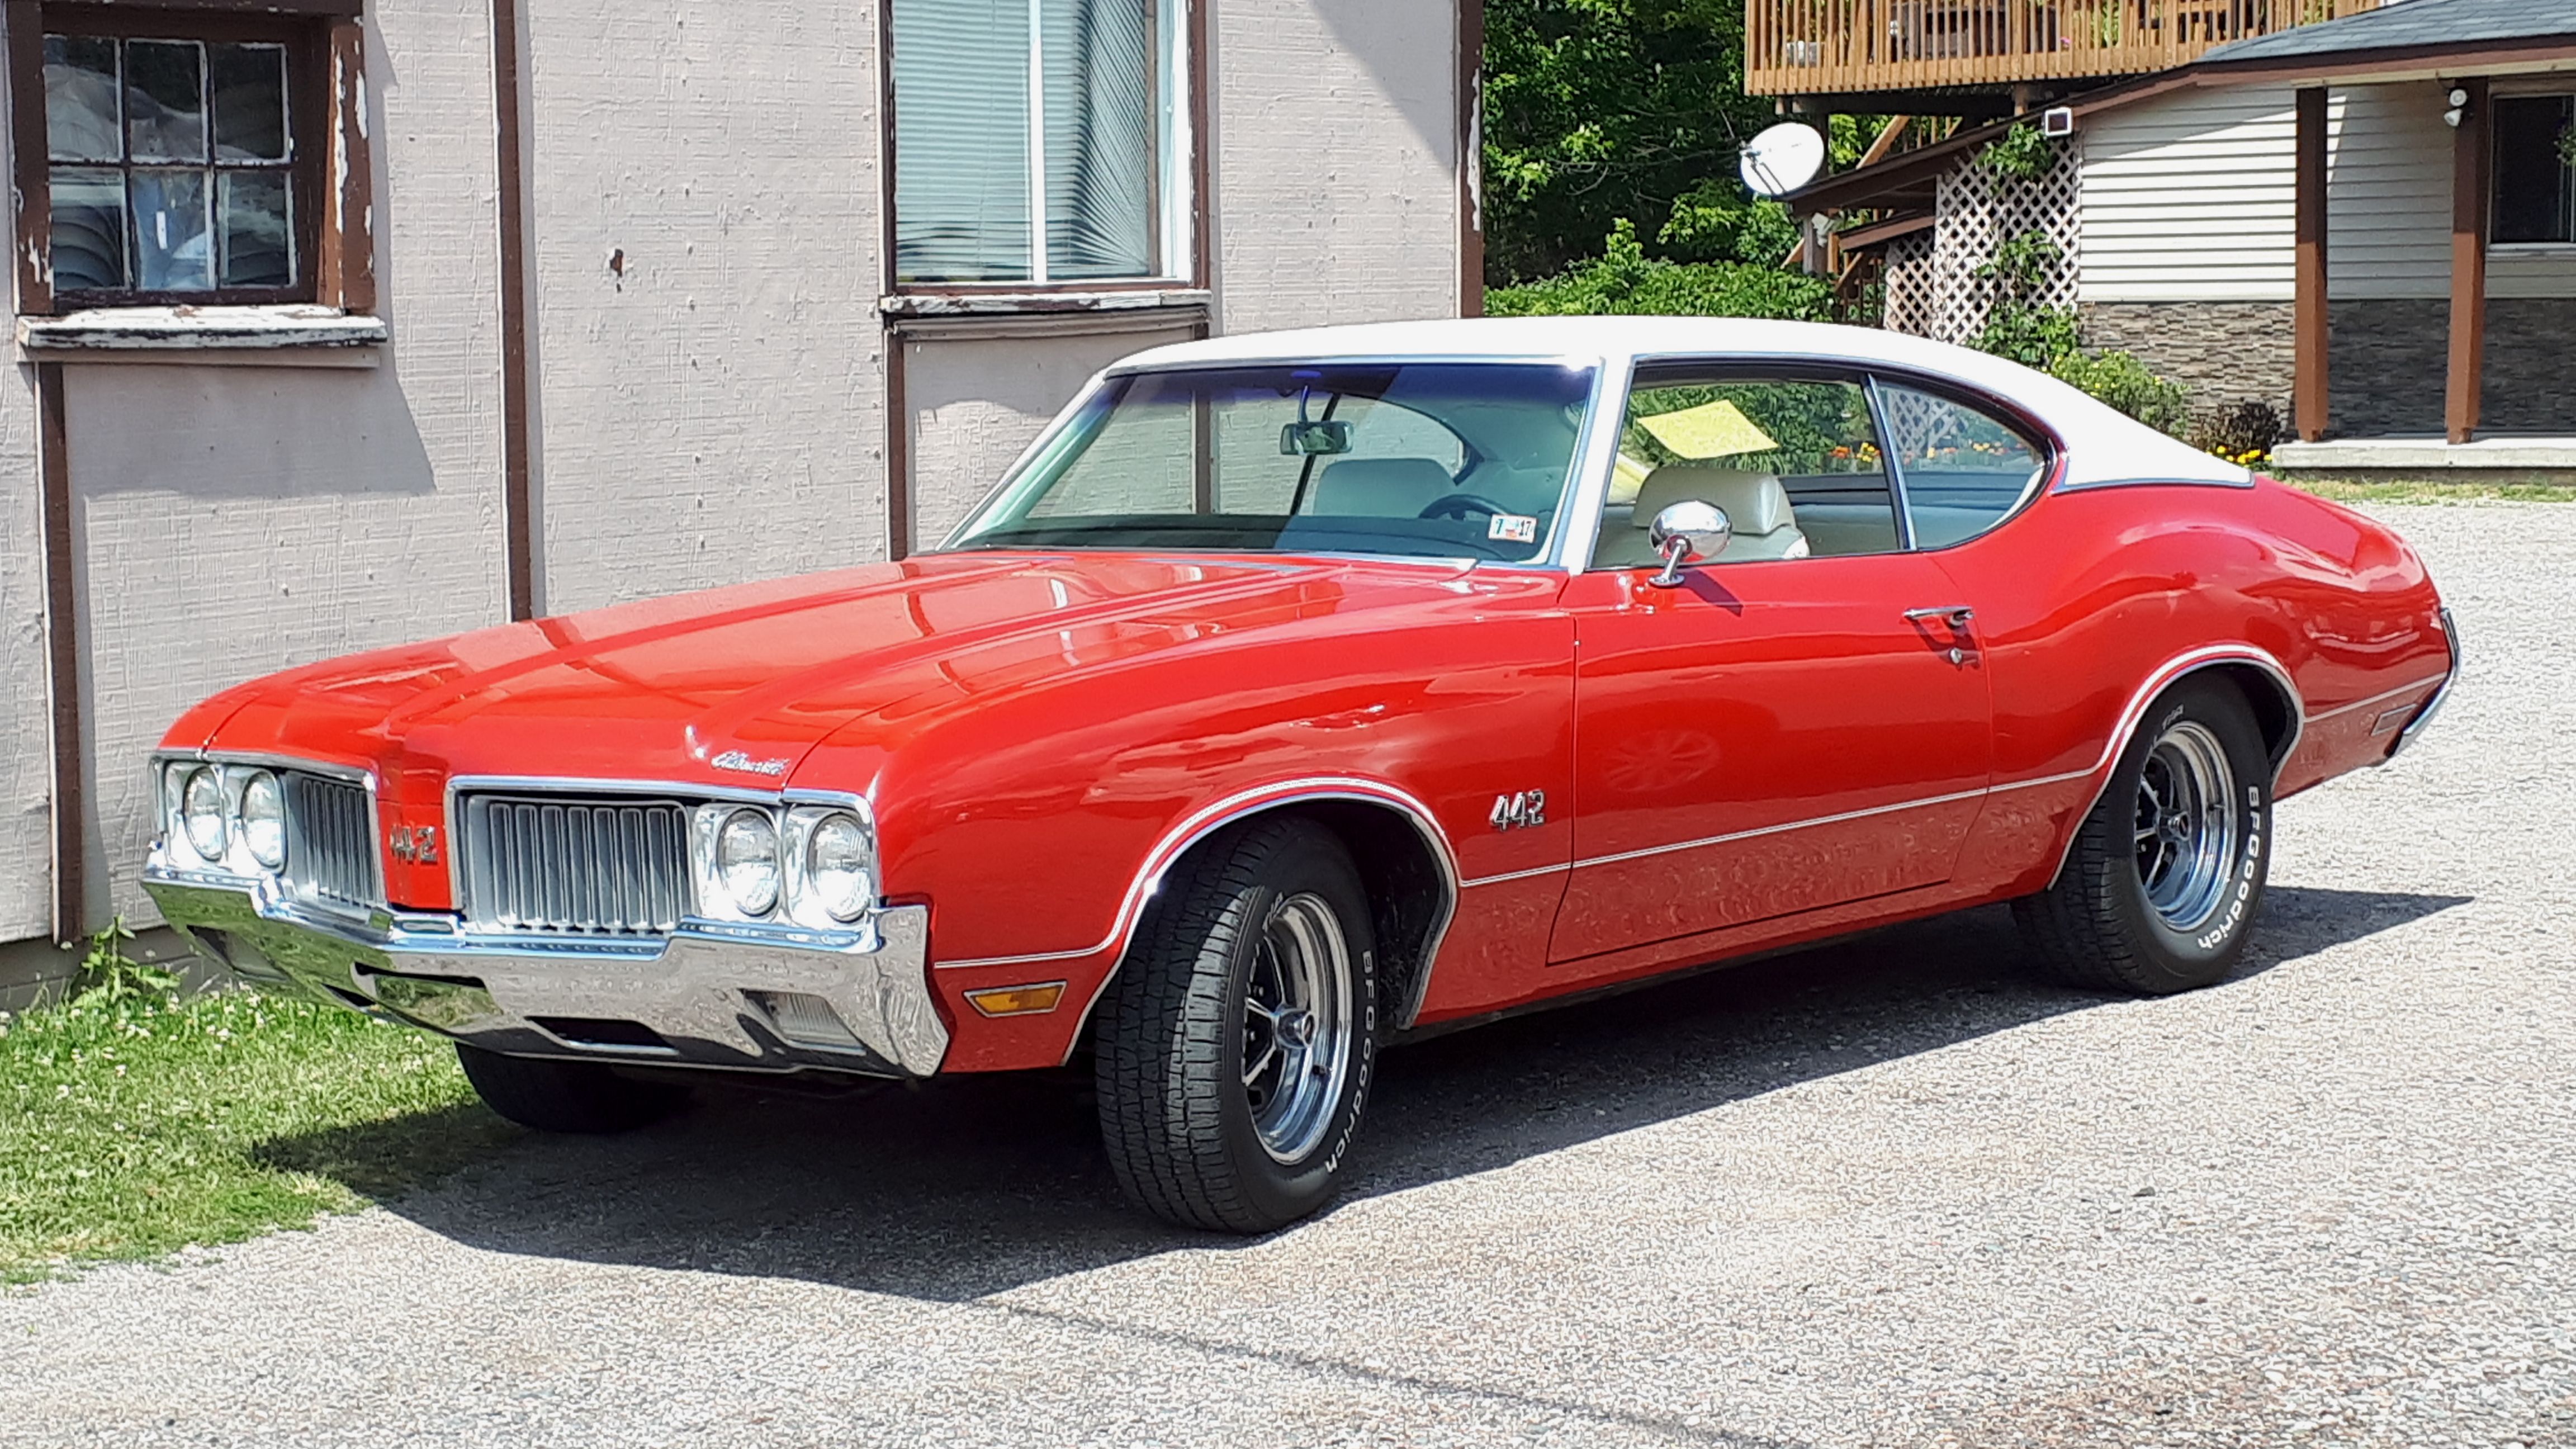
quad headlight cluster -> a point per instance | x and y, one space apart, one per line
808 865
224 817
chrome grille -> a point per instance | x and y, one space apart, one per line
331 841
592 867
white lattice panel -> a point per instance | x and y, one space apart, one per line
1938 293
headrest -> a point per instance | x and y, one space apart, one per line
1378 487
1755 503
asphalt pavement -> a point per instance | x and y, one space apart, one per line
1891 1192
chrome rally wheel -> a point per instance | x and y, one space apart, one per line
2186 825
1232 1051
1297 1026
2165 875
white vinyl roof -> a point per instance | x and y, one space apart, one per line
2103 445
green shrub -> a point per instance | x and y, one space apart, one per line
2121 380
2030 334
1624 281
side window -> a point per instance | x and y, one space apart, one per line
1795 463
1964 470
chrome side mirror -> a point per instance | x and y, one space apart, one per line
1687 532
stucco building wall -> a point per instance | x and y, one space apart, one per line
709 360
704 235
235 520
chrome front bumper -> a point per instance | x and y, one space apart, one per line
710 995
2433 706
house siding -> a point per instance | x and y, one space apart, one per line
2189 198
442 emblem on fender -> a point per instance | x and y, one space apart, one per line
413 844
1521 811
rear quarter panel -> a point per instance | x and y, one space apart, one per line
2094 598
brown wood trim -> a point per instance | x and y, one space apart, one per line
62 659
518 483
2448 58
35 224
1878 233
2310 319
898 449
1469 85
1038 289
346 274
1202 73
898 422
2469 173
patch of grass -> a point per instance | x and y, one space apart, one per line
2417 491
134 1122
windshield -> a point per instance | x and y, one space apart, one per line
1418 460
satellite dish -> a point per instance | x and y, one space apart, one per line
1782 159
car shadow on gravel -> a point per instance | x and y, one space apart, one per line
963 1187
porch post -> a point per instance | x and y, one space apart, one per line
2468 261
2309 323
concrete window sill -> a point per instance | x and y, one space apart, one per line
287 336
929 315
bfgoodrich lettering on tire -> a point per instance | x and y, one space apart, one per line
2167 872
1235 1045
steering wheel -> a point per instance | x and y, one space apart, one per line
1459 505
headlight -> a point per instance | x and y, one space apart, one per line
201 810
840 866
747 861
263 819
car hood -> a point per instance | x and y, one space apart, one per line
734 686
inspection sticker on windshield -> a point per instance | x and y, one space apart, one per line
1512 528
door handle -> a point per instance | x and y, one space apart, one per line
1957 616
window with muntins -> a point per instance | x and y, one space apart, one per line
2534 201
178 163
1038 142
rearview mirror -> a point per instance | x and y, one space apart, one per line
1322 439
1687 532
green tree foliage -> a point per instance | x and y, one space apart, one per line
1624 281
1601 111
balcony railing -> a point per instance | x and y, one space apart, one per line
1818 47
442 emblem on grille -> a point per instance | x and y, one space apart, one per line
414 844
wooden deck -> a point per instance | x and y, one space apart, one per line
1821 47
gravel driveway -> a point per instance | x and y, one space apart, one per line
1884 1193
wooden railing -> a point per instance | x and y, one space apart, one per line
1816 47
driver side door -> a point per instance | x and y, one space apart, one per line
1801 722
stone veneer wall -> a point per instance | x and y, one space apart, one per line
2387 366
2388 361
2531 366
2225 352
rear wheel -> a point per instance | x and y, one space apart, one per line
553 1096
2167 872
1235 1046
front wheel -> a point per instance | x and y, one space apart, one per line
1235 1045
2166 873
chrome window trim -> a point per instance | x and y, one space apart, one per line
1569 492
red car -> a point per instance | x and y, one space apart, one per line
1297 692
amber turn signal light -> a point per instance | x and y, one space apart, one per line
1018 1000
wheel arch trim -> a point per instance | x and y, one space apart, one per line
2164 677
1234 809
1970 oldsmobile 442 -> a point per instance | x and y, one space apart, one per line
1300 691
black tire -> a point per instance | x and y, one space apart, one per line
1173 1034
2097 925
553 1096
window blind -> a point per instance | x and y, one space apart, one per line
961 139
